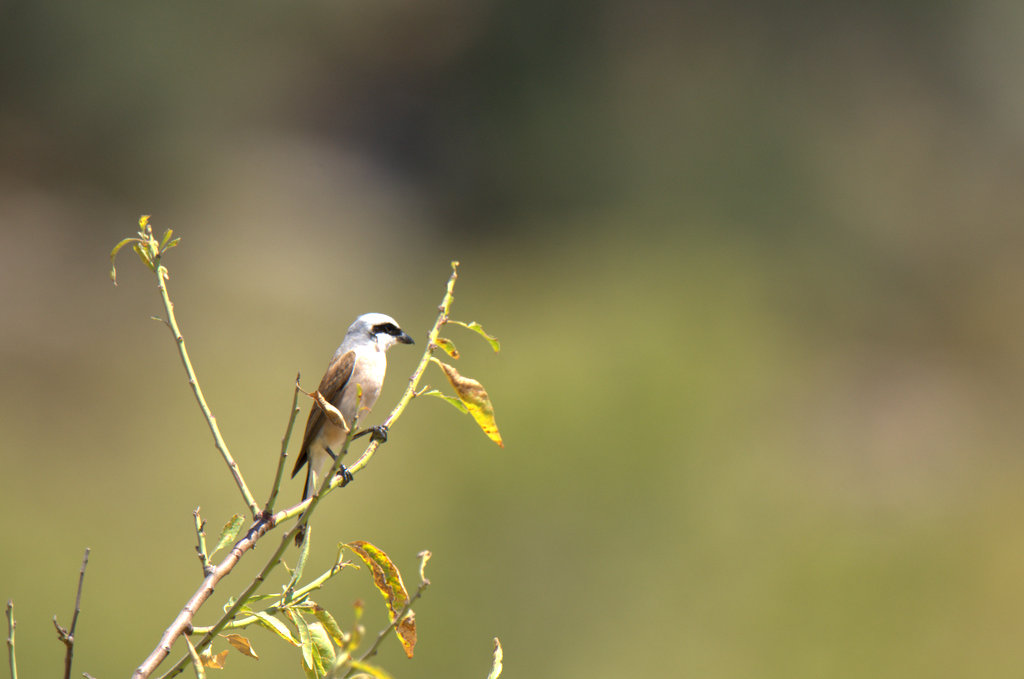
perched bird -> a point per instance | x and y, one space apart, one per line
360 360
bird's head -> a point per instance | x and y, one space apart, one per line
380 329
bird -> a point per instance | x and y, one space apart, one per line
361 360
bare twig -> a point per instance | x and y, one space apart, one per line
11 624
204 557
211 421
269 508
67 636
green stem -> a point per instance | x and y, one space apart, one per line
218 440
269 508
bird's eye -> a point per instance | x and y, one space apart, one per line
387 329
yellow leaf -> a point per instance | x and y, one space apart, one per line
447 346
474 397
389 583
242 644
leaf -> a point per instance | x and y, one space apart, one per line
167 237
276 626
332 413
212 661
474 397
369 670
331 625
242 644
496 662
197 662
113 256
229 532
322 645
306 643
141 252
447 346
388 581
455 403
424 558
479 329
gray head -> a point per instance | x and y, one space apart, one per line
379 329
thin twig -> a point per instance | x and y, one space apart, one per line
11 624
204 557
269 508
67 636
218 440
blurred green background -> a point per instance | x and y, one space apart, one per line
756 269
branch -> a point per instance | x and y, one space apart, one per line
264 522
68 636
204 557
269 508
218 440
11 624
183 621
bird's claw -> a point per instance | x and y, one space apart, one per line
379 433
346 476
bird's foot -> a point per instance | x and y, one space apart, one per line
346 476
378 433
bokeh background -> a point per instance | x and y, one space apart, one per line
756 269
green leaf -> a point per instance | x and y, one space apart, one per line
389 583
447 346
167 236
229 532
331 626
143 255
322 645
197 663
496 662
113 256
479 329
305 641
455 403
276 626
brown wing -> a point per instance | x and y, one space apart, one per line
335 379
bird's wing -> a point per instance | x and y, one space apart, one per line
337 376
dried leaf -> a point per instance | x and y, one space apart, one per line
212 661
242 644
474 397
447 346
389 583
332 413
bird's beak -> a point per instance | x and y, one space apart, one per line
405 339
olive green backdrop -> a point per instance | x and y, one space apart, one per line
756 269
